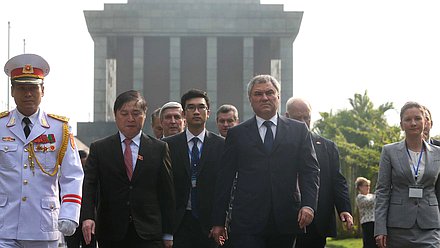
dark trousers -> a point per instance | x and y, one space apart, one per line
191 235
262 241
368 235
228 243
77 240
131 240
310 239
269 238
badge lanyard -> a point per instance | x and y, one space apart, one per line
416 169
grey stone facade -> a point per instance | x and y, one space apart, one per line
165 47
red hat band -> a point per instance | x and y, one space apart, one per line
27 71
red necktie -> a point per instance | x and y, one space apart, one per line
128 158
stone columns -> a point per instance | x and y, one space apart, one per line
248 73
211 73
138 64
99 112
175 69
286 55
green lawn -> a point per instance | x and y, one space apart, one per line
344 243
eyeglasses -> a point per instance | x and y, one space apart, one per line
192 108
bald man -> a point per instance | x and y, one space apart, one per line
427 128
333 190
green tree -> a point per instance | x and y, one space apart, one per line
360 133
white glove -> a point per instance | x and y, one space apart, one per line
67 227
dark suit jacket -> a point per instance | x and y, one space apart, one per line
267 182
209 166
434 142
333 189
148 199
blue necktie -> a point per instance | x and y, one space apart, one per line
268 138
194 163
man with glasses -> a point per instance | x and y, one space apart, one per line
195 158
40 170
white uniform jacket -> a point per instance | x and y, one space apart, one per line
29 198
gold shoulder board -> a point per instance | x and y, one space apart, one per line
4 114
59 117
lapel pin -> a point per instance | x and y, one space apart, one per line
140 157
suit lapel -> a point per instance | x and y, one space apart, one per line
184 154
280 133
14 125
38 128
254 134
116 149
429 161
402 154
143 155
205 150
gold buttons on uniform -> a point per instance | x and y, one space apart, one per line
25 182
24 198
25 149
25 166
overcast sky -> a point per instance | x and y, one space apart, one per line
390 48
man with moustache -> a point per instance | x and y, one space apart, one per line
171 118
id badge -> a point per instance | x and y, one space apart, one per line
415 192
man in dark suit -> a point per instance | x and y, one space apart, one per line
427 128
195 155
131 172
333 189
227 117
278 175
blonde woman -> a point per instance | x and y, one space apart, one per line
408 188
365 203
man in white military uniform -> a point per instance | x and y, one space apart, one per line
39 164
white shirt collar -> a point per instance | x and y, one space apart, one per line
189 135
136 139
260 120
33 117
